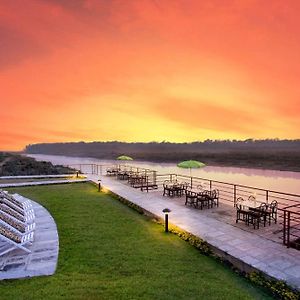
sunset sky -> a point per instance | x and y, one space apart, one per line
141 70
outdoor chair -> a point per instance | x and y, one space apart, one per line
138 181
184 187
271 212
12 205
169 189
14 239
214 197
15 211
111 171
132 178
180 188
191 198
241 213
15 224
24 203
16 200
149 185
203 199
122 175
258 214
108 172
11 212
200 187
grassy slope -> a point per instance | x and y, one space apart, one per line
108 251
13 164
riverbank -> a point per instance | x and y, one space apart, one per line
286 161
283 155
12 164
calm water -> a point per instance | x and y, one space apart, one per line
281 181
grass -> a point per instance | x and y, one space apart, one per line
108 251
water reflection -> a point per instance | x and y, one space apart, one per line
281 181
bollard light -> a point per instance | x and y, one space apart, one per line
77 174
99 185
166 211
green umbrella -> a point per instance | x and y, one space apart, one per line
191 164
124 157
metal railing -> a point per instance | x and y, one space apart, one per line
288 203
291 226
98 169
229 192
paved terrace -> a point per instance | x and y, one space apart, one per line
245 247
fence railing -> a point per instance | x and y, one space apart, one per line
291 226
288 203
101 170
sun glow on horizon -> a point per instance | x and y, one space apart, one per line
89 70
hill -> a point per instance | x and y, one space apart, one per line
13 165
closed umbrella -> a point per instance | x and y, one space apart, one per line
191 164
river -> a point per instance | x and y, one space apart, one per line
281 181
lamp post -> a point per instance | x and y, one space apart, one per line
166 211
99 185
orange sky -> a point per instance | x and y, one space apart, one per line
141 70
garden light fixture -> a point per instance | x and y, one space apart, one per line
166 211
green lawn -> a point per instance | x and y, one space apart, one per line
108 251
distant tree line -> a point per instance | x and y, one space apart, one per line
144 150
268 153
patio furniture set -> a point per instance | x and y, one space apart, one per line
174 188
250 211
111 171
16 222
254 212
196 197
135 179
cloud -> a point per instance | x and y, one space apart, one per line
207 115
16 47
69 69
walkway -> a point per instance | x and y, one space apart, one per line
43 258
245 249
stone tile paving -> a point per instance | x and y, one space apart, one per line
44 250
249 247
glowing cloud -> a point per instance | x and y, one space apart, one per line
148 70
